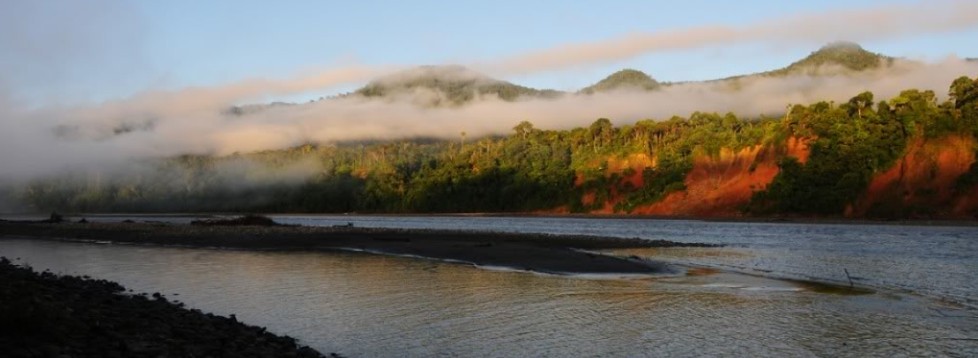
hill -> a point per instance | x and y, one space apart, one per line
457 85
846 55
624 79
255 108
832 58
906 157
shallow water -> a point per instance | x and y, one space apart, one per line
934 261
367 305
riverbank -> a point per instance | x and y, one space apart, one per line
532 252
773 219
47 315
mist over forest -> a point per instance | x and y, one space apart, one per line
450 139
409 138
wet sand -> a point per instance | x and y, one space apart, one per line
557 254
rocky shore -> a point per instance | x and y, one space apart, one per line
48 315
533 252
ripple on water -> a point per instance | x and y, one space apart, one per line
370 305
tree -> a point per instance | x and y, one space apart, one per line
601 132
860 103
524 129
963 91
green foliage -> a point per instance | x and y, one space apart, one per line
845 54
534 169
624 79
969 179
964 95
458 84
849 148
854 141
660 181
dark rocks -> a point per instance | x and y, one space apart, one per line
247 220
54 218
47 315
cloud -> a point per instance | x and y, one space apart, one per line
872 23
44 140
196 121
356 118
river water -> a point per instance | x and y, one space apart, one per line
743 299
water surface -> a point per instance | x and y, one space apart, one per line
368 305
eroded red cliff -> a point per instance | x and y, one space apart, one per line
721 186
922 183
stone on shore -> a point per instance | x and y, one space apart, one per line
48 315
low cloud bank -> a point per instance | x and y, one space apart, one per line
196 121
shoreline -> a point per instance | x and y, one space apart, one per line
951 222
50 315
543 253
734 219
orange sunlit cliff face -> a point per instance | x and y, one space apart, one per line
716 186
629 168
721 186
923 182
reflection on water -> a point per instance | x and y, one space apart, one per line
366 305
933 261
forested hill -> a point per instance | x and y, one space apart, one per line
847 55
627 79
909 156
457 84
833 58
454 85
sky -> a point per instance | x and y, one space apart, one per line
87 84
64 51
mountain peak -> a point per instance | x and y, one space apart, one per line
420 75
841 46
845 54
626 78
457 84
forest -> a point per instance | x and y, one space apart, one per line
848 147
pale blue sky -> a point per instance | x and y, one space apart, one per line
89 51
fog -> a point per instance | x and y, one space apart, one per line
47 138
39 141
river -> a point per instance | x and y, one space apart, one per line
744 299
